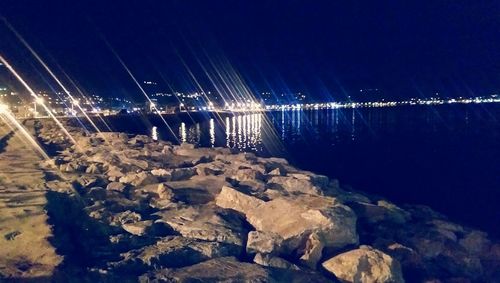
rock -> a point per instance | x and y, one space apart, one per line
72 167
94 168
248 175
116 186
186 145
365 264
206 222
226 269
142 164
397 213
165 175
167 149
140 140
137 228
96 193
317 180
125 217
179 174
406 256
244 157
230 270
475 242
87 181
212 168
255 187
12 235
294 185
172 251
233 199
197 190
139 179
114 172
277 172
372 213
295 219
273 261
195 155
312 251
165 192
262 242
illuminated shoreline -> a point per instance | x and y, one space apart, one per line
412 102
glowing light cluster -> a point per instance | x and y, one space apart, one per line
333 105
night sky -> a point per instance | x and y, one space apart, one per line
328 49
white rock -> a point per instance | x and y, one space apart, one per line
295 219
233 199
365 264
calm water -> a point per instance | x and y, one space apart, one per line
447 157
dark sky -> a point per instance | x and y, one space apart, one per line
325 48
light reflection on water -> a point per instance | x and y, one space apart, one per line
262 131
243 132
154 133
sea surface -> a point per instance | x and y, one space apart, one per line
446 156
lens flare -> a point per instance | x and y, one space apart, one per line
35 96
9 119
154 108
39 59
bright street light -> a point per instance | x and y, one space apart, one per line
39 100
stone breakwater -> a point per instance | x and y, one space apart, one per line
127 207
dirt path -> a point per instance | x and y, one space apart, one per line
25 250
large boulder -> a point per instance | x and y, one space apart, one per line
365 264
172 251
295 219
233 199
206 222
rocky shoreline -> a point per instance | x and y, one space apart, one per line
133 209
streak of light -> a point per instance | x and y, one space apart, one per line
153 105
91 104
40 60
33 94
195 80
10 120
